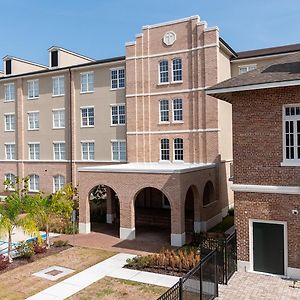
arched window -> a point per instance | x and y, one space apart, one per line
208 193
12 181
177 69
58 182
164 149
163 71
178 149
34 183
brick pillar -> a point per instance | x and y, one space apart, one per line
177 220
84 211
127 218
197 210
110 206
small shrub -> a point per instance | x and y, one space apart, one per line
60 243
25 250
39 247
3 262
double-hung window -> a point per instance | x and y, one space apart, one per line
34 183
33 89
33 120
118 78
10 181
88 150
58 182
291 124
163 71
58 88
58 118
9 92
34 151
164 149
10 151
118 114
10 122
59 150
118 150
177 69
177 110
178 149
87 117
87 82
164 111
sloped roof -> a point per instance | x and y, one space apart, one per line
285 71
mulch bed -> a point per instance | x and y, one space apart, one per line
17 262
159 270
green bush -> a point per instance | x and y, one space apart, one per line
25 250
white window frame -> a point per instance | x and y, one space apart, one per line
181 70
9 96
160 111
248 68
36 155
35 88
12 117
174 150
88 142
38 120
13 182
58 110
119 150
118 105
86 126
10 152
160 150
173 111
118 79
160 72
89 89
294 118
61 182
61 154
36 183
61 87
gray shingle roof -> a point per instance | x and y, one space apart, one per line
282 70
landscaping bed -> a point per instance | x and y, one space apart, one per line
21 261
169 262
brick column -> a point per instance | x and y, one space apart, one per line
84 211
127 218
177 220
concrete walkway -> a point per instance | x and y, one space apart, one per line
112 267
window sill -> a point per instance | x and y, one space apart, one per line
177 82
290 164
33 191
92 126
55 128
178 161
163 83
56 96
164 123
33 129
117 125
7 101
87 92
32 98
119 160
177 122
9 130
115 89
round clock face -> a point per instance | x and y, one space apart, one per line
169 38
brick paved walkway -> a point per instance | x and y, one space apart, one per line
250 286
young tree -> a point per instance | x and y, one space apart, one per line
55 206
12 214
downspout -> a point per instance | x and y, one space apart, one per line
71 126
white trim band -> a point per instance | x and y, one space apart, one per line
269 189
174 131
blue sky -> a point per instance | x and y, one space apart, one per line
100 28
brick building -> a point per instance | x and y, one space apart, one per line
266 151
139 127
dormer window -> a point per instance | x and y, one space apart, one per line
8 67
54 59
